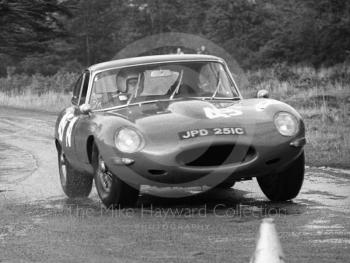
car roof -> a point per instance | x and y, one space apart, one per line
152 59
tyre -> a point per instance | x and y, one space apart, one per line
74 183
284 185
113 192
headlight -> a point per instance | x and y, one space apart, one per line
286 124
128 140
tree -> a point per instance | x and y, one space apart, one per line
256 32
242 27
95 30
29 25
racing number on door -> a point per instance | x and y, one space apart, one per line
67 122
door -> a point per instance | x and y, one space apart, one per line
69 129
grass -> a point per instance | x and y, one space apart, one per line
321 96
47 93
49 101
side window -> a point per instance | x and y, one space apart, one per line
207 78
76 90
85 88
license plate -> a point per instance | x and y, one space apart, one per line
210 132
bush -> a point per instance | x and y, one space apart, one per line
47 65
283 72
38 84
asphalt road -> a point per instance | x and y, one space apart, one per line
39 224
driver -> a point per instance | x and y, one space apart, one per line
127 82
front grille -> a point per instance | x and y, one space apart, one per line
216 155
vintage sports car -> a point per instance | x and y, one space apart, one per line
174 121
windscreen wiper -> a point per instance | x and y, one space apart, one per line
218 98
136 90
178 86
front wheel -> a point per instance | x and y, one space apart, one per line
74 183
113 192
284 185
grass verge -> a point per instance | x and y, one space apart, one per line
50 101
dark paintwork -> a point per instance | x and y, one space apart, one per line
160 122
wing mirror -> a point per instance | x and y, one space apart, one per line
85 109
263 94
74 100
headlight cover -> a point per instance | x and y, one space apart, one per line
128 140
286 124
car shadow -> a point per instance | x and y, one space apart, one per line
220 201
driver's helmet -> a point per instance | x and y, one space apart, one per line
127 81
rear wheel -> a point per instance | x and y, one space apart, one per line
284 185
74 183
114 193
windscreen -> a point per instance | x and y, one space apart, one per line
161 81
